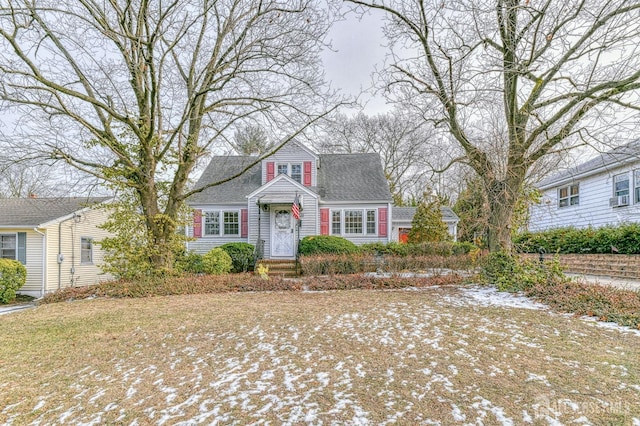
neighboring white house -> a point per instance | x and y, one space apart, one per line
55 239
602 191
339 194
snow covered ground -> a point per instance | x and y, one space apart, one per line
472 356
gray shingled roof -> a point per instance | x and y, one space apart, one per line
609 159
233 191
31 212
341 177
352 177
405 214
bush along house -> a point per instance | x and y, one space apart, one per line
346 195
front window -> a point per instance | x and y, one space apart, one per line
336 222
212 223
283 169
231 223
8 246
636 186
371 221
86 250
296 172
621 185
569 195
353 221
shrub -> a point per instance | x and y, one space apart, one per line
328 264
604 303
327 244
13 275
190 262
624 239
464 247
510 273
241 256
217 262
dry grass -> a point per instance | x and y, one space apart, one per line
348 357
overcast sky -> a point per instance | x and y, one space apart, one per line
358 46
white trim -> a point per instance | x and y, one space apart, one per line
44 261
278 178
364 232
272 226
15 235
91 241
70 215
385 203
221 222
609 168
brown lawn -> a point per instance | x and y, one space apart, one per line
431 356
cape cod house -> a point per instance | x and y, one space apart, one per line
337 194
54 238
602 191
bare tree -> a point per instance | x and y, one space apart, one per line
137 92
251 139
410 151
19 180
513 81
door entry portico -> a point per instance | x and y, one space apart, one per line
282 233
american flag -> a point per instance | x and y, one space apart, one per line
295 208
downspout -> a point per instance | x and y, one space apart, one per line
44 261
60 256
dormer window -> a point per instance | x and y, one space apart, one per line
293 170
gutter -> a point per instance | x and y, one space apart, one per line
610 167
44 261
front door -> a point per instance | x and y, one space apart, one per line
282 234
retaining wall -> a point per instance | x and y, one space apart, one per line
612 265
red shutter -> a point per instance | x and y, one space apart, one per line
197 223
271 170
244 222
382 221
324 221
307 173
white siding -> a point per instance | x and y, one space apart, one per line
71 271
362 239
206 243
292 153
284 190
593 208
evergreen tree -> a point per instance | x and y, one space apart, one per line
427 224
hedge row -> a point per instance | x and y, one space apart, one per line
202 284
623 239
332 264
329 244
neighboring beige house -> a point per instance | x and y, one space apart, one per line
55 238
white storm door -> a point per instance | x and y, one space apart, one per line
282 235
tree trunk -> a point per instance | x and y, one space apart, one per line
502 200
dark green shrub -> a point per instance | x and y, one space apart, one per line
190 262
217 262
623 239
241 256
13 275
327 244
464 247
510 273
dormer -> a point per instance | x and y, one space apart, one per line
296 161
